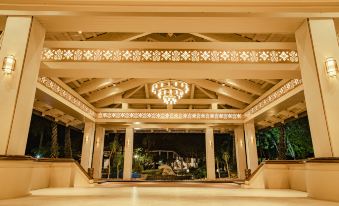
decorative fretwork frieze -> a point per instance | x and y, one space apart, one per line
289 86
170 115
170 55
53 86
286 88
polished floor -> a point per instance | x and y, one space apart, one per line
122 195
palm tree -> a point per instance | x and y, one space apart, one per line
119 160
217 160
68 144
226 157
54 143
114 146
282 143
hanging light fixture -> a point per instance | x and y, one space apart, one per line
170 91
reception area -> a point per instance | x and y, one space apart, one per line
169 102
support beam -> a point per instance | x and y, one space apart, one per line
108 101
136 36
245 85
180 101
316 41
128 154
147 95
226 91
98 151
192 94
174 70
210 158
23 37
240 151
94 85
131 93
212 96
111 91
168 24
251 146
87 145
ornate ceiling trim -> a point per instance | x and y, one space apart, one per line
280 92
234 56
170 115
286 88
57 89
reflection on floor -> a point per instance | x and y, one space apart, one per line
162 196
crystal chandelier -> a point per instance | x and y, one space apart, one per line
170 91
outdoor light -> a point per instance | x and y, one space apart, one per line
8 65
331 67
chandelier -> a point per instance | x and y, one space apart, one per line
170 91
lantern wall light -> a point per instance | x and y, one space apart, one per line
8 65
331 67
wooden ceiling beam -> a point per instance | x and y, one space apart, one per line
224 90
245 85
95 84
111 91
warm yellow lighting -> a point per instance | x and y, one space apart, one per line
170 91
331 67
8 65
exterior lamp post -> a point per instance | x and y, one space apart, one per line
8 65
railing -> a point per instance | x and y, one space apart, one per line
52 160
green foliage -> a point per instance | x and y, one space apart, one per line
140 159
200 172
298 137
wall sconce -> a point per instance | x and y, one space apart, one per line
8 65
331 67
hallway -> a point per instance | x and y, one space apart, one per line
162 196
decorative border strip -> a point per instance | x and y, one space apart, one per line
169 55
50 84
170 115
289 86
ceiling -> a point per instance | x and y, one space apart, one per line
134 93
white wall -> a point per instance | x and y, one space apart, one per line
320 179
19 177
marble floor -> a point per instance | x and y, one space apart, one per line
122 195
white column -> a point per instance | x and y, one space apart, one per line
316 41
128 154
251 146
240 151
87 145
98 151
210 159
23 38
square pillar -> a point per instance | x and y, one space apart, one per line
316 41
128 154
23 38
240 151
98 151
210 158
87 145
251 146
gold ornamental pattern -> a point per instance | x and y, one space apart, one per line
170 115
286 88
53 86
169 55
